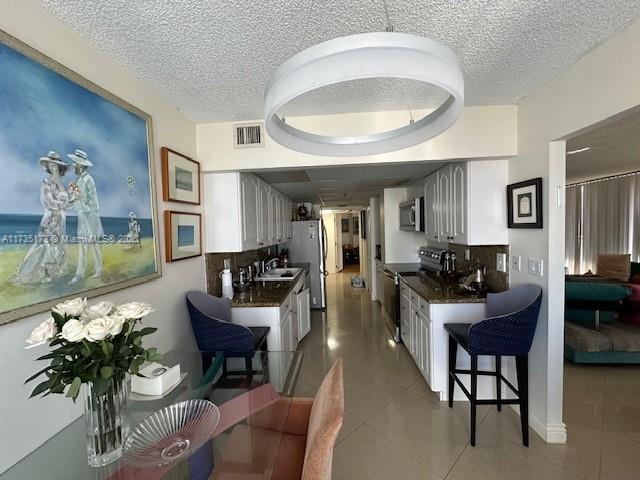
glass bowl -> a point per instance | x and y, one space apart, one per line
171 434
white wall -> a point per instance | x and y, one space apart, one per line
24 423
329 220
480 132
603 83
400 246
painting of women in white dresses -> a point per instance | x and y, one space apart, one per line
76 193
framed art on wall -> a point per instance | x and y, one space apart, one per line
183 237
77 216
180 177
345 225
524 204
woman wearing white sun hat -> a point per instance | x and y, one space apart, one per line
85 201
45 261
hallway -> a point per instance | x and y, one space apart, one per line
395 427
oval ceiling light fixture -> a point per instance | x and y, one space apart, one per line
357 57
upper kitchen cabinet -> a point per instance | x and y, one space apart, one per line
242 213
465 203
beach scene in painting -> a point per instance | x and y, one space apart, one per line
75 197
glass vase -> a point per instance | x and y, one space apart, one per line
106 421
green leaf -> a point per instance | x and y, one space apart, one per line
74 388
37 374
41 387
100 386
86 349
135 365
137 341
106 372
147 331
59 319
107 348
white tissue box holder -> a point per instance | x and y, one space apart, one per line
153 382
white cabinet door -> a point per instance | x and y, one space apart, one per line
303 310
424 363
286 215
250 216
431 208
264 196
405 318
444 193
285 333
274 218
458 205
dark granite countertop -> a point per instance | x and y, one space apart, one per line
265 294
435 292
403 268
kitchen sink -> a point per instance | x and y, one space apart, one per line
279 274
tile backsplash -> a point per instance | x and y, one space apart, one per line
215 263
485 255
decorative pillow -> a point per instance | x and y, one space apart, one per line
636 279
616 267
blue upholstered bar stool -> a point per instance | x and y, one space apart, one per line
508 331
214 332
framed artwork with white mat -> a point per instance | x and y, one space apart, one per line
524 204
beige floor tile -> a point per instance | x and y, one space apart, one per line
497 458
366 455
427 430
581 454
620 458
349 425
366 396
622 414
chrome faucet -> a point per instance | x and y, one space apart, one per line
273 263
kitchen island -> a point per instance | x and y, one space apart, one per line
425 306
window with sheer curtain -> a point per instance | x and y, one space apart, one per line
602 216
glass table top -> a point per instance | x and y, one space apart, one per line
64 456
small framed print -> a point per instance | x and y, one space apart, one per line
180 177
183 237
524 204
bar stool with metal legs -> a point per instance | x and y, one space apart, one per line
508 331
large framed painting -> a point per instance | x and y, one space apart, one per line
77 216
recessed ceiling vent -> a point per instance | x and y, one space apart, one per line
248 135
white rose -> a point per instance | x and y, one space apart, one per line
134 310
42 333
74 331
100 309
99 328
118 323
72 308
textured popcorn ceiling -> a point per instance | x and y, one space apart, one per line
213 58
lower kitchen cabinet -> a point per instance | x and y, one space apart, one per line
427 341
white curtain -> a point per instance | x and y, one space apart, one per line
573 212
602 217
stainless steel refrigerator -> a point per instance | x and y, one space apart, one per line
308 245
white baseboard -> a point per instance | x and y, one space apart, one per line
553 432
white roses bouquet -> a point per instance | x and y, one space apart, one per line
91 343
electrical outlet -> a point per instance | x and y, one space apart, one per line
501 262
536 267
516 263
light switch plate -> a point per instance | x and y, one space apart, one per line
536 267
501 262
516 263
467 254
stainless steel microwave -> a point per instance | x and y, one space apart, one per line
412 215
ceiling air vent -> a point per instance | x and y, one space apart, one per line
247 135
